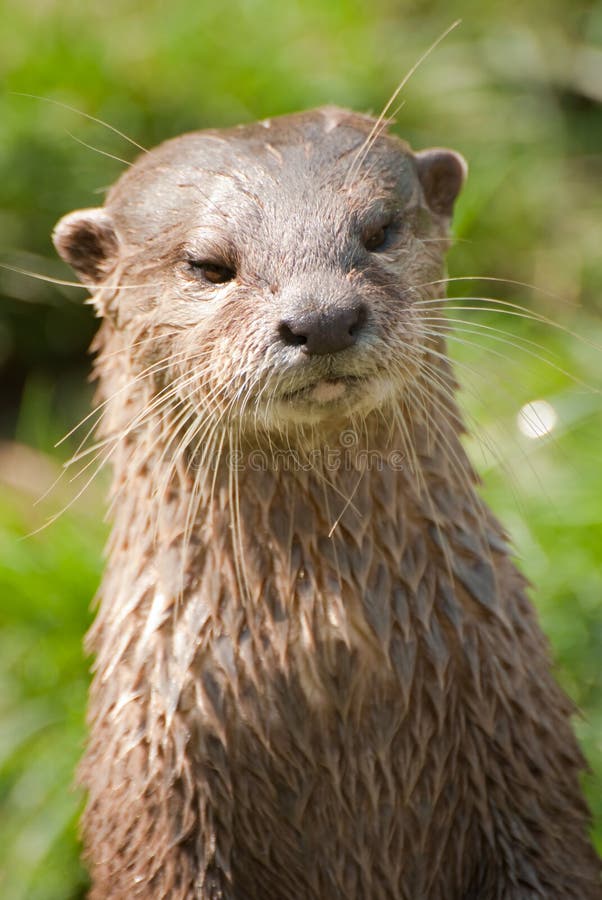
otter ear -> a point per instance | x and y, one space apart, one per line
442 174
86 239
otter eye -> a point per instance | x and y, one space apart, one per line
212 272
375 240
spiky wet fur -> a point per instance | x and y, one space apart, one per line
312 681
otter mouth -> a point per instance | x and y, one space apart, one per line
331 389
322 397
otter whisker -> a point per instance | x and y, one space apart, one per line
236 531
378 124
162 397
195 498
457 459
515 310
453 336
481 436
441 325
517 341
80 112
488 447
62 282
348 502
155 338
158 366
524 284
114 440
98 150
80 452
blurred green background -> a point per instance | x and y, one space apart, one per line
517 88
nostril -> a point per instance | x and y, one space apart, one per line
289 337
359 321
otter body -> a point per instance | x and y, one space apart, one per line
318 674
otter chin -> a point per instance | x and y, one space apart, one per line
318 675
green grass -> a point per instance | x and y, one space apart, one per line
46 582
548 493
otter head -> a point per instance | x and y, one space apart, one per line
272 275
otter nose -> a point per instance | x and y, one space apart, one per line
321 331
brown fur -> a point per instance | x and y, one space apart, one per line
317 673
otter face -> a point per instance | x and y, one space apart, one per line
269 273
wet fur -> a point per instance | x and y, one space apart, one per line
311 681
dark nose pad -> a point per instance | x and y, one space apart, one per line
322 331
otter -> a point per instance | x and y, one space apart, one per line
317 670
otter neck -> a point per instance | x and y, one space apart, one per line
256 508
289 552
